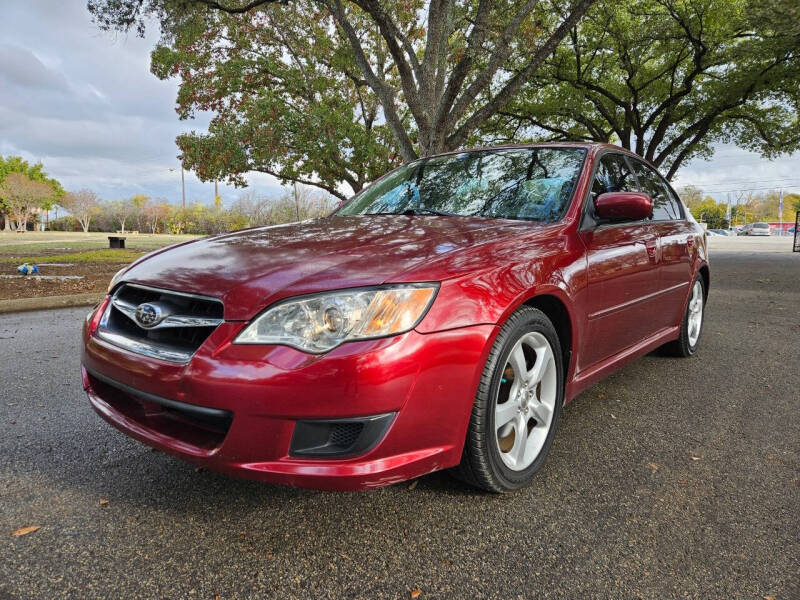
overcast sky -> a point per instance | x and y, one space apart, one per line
85 104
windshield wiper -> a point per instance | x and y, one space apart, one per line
419 210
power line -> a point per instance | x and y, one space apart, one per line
769 187
742 181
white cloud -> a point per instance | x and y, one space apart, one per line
85 104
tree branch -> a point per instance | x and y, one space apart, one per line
383 91
516 82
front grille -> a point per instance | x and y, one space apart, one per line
182 322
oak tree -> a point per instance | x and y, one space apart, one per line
333 91
670 78
15 164
22 196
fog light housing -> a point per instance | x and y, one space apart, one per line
338 438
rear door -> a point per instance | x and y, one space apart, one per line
622 268
676 239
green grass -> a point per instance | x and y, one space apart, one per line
22 245
88 256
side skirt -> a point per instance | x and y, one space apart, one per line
604 368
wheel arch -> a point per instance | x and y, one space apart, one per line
558 313
705 273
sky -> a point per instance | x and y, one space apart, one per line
84 103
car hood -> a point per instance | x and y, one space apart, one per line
251 269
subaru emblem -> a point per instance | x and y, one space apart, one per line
148 315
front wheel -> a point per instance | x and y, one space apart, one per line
692 324
517 407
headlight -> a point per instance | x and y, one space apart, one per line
322 322
117 276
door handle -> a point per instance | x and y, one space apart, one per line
651 246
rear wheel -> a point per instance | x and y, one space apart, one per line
517 407
692 324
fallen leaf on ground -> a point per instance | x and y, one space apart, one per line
653 466
601 395
769 597
416 593
613 416
413 485
693 457
103 501
25 530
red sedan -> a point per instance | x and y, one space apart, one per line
441 318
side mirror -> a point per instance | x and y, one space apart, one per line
627 206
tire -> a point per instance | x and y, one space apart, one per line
497 458
686 345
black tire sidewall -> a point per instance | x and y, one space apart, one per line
689 349
531 320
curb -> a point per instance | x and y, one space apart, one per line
49 302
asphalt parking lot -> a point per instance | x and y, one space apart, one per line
672 479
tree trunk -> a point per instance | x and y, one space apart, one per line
6 223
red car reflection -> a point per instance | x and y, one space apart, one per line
439 319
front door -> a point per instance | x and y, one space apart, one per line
622 267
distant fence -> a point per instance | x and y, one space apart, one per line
797 231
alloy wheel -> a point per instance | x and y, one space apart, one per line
525 402
695 317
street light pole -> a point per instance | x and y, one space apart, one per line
183 187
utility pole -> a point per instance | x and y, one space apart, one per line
729 215
183 187
216 191
296 202
780 213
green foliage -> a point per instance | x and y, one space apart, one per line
793 201
15 164
286 97
332 92
711 212
670 78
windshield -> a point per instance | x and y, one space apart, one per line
761 226
530 183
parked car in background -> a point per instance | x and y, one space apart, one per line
725 232
441 318
755 229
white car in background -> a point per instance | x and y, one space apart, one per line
755 229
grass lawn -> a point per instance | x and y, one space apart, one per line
34 243
87 253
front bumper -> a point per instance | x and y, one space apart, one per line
254 397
